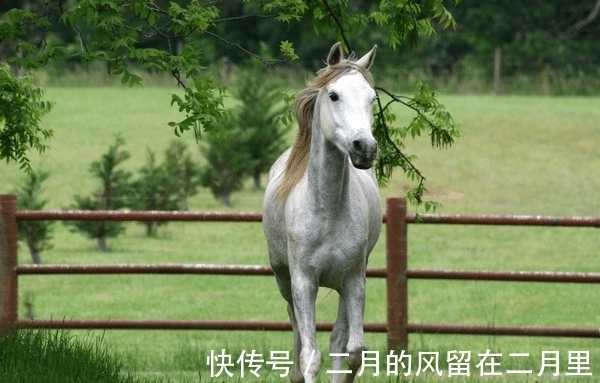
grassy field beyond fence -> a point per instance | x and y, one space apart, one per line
517 155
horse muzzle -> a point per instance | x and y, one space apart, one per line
363 153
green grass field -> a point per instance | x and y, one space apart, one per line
518 155
28 356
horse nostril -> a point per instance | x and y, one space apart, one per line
358 145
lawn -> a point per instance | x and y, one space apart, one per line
517 155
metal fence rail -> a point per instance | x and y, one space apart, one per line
159 268
396 273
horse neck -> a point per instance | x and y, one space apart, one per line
328 172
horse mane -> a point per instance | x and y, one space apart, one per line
303 108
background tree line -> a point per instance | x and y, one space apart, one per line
553 41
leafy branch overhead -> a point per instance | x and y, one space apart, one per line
179 38
405 22
431 118
21 110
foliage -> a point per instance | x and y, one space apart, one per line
119 26
165 186
537 40
182 172
262 117
554 40
21 110
405 22
36 234
431 118
112 195
228 160
252 139
177 37
152 190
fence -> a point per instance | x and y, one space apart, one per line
396 273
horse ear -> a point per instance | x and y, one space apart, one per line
335 54
367 60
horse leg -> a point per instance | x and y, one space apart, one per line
282 276
338 340
354 296
304 292
296 373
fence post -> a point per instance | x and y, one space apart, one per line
8 263
397 286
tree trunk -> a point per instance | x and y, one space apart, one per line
149 229
184 203
257 183
35 255
102 243
28 303
497 68
226 198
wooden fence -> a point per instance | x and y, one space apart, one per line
396 273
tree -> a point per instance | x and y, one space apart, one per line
114 192
524 37
153 190
251 140
36 234
228 160
182 173
165 186
113 32
262 115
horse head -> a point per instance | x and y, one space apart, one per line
346 107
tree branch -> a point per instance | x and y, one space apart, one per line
238 46
244 17
447 140
339 24
82 43
575 28
389 139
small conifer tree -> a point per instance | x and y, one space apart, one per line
153 190
36 234
228 161
262 116
182 171
113 194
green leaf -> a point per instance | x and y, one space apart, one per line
21 110
287 49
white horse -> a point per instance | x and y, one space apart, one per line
322 213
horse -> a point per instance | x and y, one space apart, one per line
322 213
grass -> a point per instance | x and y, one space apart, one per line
518 155
28 355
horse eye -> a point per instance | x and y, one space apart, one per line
333 96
